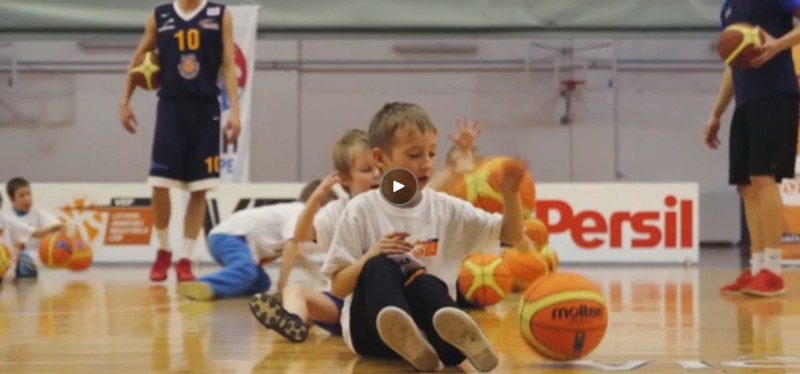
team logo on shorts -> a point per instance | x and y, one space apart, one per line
189 67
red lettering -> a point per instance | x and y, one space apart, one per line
616 227
543 208
687 226
639 225
670 234
590 229
580 229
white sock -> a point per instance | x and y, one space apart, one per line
163 239
188 248
756 262
773 260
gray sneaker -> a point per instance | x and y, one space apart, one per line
397 329
460 330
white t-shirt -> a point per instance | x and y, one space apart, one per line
38 219
14 232
266 228
325 222
443 228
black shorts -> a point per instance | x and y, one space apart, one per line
186 145
763 139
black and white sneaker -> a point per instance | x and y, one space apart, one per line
269 311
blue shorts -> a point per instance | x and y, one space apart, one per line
332 328
186 144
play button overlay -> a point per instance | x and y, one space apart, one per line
398 186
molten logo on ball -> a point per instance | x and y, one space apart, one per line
582 311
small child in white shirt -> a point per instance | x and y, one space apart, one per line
19 192
396 266
241 244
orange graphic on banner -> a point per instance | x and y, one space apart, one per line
125 225
129 226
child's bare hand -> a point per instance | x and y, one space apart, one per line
391 243
327 184
513 171
466 136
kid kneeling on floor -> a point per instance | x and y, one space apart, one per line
300 306
241 244
396 266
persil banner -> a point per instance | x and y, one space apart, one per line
588 223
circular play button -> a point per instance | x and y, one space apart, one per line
398 186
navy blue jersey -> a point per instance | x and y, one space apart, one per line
777 75
190 51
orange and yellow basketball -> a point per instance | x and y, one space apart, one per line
146 72
550 256
563 316
55 250
81 258
536 231
482 186
737 44
525 267
484 279
5 260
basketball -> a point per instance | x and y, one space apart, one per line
484 279
55 250
5 260
525 267
482 187
737 42
563 316
536 231
81 258
550 256
145 73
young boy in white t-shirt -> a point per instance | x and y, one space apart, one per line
396 266
241 244
15 233
19 192
301 306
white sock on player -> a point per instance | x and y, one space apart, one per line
188 248
756 262
163 239
773 260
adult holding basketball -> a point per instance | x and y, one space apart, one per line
763 135
195 43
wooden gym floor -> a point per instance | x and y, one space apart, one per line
111 320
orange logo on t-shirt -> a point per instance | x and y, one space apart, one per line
425 248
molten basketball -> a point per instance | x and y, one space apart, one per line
55 250
5 260
563 316
81 258
737 44
536 231
525 267
145 72
482 186
484 279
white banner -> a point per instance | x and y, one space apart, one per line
235 158
588 223
617 223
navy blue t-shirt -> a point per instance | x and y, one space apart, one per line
777 75
190 51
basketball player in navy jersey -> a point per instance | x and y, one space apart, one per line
195 44
763 135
